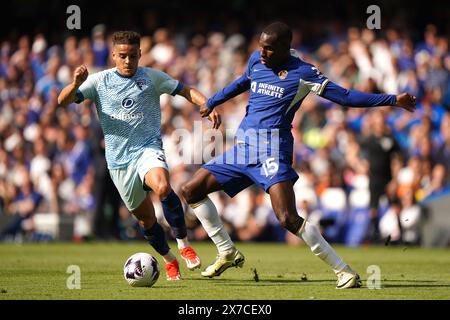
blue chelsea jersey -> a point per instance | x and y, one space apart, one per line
276 94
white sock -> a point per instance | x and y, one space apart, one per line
183 243
320 247
206 212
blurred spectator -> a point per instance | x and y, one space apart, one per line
100 47
438 184
163 51
22 206
380 147
260 223
81 153
110 216
50 80
443 152
401 223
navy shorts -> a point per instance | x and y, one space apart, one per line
236 170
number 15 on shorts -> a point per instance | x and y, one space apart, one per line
270 167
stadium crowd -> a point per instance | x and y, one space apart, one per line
52 160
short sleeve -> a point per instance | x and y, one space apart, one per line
164 83
313 79
88 89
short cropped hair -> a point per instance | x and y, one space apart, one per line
281 30
126 37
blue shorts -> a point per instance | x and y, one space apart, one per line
235 171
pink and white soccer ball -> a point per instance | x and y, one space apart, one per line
141 270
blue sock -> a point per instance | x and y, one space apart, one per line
157 239
173 212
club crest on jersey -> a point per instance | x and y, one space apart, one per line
141 83
127 103
283 74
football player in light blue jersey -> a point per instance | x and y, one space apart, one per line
127 102
278 81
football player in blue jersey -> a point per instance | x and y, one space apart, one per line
127 102
278 81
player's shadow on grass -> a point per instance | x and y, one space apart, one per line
167 287
277 282
420 284
264 282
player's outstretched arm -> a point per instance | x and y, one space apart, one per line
235 88
68 94
358 99
196 97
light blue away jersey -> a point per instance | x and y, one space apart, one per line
129 110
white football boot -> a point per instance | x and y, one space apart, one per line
348 278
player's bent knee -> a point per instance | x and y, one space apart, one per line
189 193
186 193
163 190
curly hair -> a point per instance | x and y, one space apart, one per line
126 37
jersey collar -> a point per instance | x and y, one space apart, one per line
122 76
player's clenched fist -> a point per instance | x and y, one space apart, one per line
80 75
406 101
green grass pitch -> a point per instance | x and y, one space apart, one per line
39 271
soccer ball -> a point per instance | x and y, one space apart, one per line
141 270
